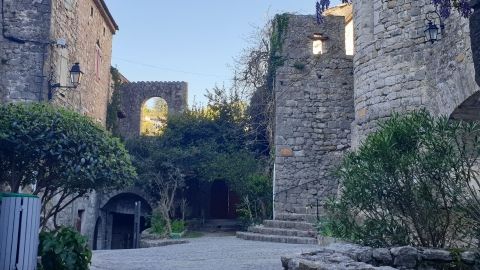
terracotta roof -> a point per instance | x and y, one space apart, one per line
107 16
344 10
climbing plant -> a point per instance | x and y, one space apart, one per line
114 103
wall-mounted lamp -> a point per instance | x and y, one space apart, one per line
432 33
75 78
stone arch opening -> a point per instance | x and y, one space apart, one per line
120 213
134 95
468 110
153 116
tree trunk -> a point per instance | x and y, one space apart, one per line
475 37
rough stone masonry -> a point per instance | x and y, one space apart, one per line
326 104
314 110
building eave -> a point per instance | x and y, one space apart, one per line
107 16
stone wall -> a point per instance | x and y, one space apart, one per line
24 44
354 257
31 59
314 110
88 32
134 95
396 71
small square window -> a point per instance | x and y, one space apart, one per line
318 43
317 47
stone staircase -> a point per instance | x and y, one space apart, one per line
286 228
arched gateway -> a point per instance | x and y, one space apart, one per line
134 95
115 224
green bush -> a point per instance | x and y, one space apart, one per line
65 154
178 226
256 203
64 249
410 183
157 223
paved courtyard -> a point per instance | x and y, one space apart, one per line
225 252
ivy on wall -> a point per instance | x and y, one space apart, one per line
280 25
114 104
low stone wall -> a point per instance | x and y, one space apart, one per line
353 257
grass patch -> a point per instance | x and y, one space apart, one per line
193 234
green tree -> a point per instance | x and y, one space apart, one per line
413 182
63 154
206 145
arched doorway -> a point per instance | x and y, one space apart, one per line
153 119
223 202
469 110
120 213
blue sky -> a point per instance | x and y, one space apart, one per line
192 41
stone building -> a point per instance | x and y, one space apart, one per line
334 100
328 101
42 39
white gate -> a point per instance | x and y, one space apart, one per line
19 228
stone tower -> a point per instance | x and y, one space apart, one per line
314 111
397 71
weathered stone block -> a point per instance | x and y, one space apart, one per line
405 256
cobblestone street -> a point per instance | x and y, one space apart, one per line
226 253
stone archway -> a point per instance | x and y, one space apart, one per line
118 211
468 110
133 96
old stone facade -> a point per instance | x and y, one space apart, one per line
314 110
134 95
42 39
332 103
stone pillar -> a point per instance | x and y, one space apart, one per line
475 37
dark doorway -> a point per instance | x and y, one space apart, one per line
122 230
219 200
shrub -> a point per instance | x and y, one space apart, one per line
178 226
66 155
157 223
410 183
64 249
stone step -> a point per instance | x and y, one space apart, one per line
276 238
283 224
296 217
280 231
219 225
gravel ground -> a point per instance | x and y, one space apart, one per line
209 252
